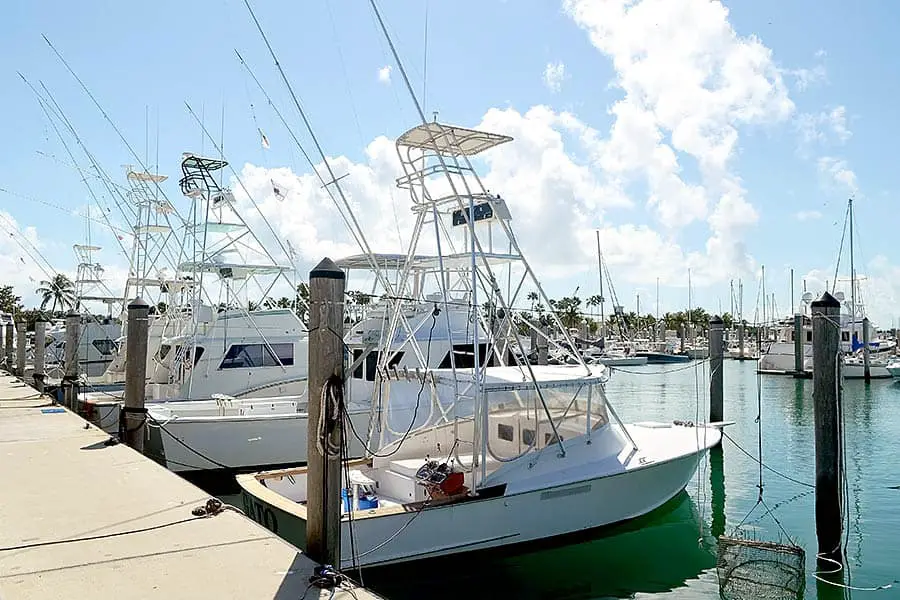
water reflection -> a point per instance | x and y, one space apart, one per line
717 490
656 553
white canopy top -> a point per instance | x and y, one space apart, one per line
516 378
421 262
450 139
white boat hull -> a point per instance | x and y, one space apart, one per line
779 357
508 518
236 443
623 361
857 371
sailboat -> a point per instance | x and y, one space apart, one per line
777 357
517 441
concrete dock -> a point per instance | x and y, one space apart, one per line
61 483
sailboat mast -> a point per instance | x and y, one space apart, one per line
852 278
690 311
600 270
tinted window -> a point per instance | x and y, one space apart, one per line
105 347
358 372
528 437
284 353
246 356
505 432
198 352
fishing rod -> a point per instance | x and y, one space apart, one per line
356 231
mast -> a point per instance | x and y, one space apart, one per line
690 312
600 270
852 279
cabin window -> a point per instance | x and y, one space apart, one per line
247 356
845 336
528 437
809 336
505 432
105 347
550 438
358 371
198 352
284 353
163 351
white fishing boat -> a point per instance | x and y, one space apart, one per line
507 442
893 367
854 367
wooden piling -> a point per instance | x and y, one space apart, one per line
133 417
70 359
8 346
40 341
865 339
741 342
827 404
798 344
716 362
326 367
20 349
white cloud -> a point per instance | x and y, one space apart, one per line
836 174
690 82
808 215
554 73
20 258
804 78
384 74
823 128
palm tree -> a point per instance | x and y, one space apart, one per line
533 298
60 290
301 304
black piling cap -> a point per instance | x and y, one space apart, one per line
826 301
327 270
716 320
138 303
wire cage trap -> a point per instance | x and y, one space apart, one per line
760 570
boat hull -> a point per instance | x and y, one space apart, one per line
660 358
237 444
623 361
857 371
492 522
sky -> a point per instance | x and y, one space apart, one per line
702 137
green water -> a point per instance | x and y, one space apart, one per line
672 553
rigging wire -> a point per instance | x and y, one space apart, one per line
357 233
837 265
106 117
415 414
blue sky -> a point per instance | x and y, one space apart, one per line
823 131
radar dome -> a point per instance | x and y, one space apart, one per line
839 296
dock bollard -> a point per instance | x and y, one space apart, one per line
826 314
